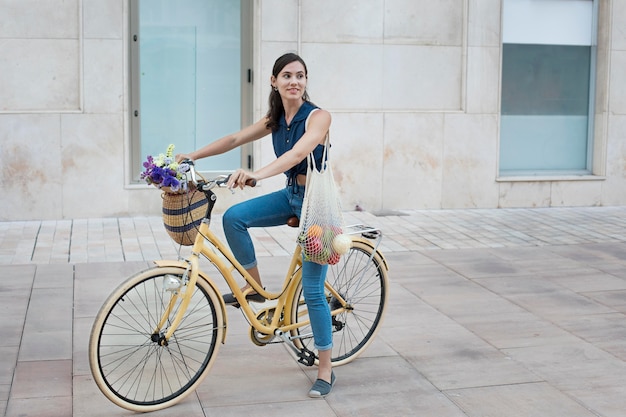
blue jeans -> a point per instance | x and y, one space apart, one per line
275 209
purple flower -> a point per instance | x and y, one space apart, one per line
157 174
171 182
183 168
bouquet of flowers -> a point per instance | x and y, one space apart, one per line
164 172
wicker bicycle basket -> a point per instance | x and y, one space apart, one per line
182 215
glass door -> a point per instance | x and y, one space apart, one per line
189 73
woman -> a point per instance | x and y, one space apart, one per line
289 109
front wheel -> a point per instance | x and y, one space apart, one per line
360 278
132 363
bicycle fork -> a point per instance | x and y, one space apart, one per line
174 288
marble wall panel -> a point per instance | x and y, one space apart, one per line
30 179
617 91
36 19
412 170
422 77
424 22
576 193
92 165
469 161
279 20
145 202
39 74
104 76
614 187
618 34
357 153
484 23
516 194
345 76
483 80
361 21
103 19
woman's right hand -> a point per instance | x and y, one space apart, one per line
180 157
240 178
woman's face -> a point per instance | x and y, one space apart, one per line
291 81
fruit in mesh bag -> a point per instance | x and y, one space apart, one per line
313 246
334 258
341 243
315 231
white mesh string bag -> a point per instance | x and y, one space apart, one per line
321 221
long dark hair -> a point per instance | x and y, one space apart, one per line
275 102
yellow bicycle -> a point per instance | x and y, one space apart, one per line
157 335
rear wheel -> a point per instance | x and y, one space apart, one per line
361 280
134 366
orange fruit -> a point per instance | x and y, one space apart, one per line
315 231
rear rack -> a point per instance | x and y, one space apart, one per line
365 231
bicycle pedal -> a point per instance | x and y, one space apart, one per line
306 357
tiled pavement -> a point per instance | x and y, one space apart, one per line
506 313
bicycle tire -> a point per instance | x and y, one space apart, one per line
129 364
363 284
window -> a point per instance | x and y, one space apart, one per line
548 69
190 77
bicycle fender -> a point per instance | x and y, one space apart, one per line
183 265
369 243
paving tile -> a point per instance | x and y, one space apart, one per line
514 329
305 408
241 369
8 360
520 400
48 325
12 329
452 357
41 406
605 331
95 281
585 279
46 345
80 345
55 276
4 393
42 379
387 387
543 297
16 277
88 401
615 299
605 401
572 366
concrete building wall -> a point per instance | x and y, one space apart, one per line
413 87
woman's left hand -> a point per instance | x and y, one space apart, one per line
241 178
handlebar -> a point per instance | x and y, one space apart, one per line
204 184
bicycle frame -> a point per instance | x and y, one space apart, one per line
285 298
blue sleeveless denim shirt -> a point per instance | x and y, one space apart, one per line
285 137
